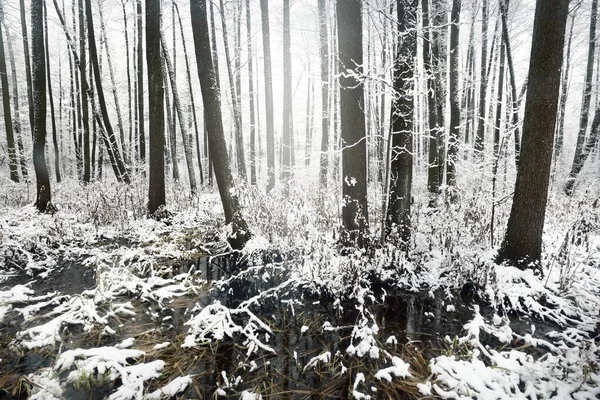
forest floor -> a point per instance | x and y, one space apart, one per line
97 301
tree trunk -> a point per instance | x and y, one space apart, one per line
156 187
523 240
130 155
324 53
192 97
309 120
8 123
84 104
187 147
237 111
480 134
42 201
214 125
264 13
140 84
251 97
454 136
513 86
433 168
355 214
17 115
401 163
287 95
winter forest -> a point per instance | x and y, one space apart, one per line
299 199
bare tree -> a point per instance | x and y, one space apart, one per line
401 163
355 215
42 201
214 124
156 187
266 36
522 243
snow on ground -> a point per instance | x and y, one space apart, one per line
524 336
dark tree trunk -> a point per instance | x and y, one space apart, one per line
585 103
480 134
251 97
433 168
266 36
84 104
523 240
354 156
42 176
287 96
156 188
324 53
140 84
8 123
454 94
214 124
17 115
51 100
401 163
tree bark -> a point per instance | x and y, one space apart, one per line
480 134
84 104
401 163
130 155
140 84
513 86
264 13
324 55
355 214
454 94
251 97
433 168
287 96
156 187
214 125
42 201
522 243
